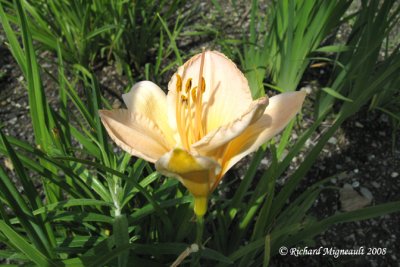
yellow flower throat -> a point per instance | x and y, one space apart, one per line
189 108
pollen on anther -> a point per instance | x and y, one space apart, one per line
188 85
203 85
178 83
193 92
184 99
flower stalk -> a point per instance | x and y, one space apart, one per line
199 231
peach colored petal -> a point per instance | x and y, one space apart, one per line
281 109
226 133
148 99
226 95
135 134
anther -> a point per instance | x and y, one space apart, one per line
194 94
188 85
178 83
203 85
184 99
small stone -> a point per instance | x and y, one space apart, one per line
359 125
371 157
309 143
355 184
384 118
264 161
381 133
366 193
9 165
116 104
13 120
394 175
332 140
350 237
343 176
360 232
356 170
307 89
375 184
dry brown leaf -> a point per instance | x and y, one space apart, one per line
351 200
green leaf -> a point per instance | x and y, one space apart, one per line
14 46
333 48
27 184
211 254
13 198
77 243
336 94
121 237
71 203
74 262
19 242
245 183
73 216
267 251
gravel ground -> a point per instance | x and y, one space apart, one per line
362 151
368 166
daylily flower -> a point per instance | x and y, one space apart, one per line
206 123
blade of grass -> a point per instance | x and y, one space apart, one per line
30 251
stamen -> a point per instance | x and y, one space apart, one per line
189 108
198 115
191 128
188 85
178 110
203 85
184 100
178 83
184 136
201 68
193 92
